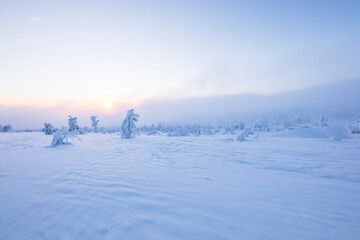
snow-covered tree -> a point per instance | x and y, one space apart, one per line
7 128
148 130
61 137
287 126
94 123
261 126
48 129
128 126
72 121
323 122
242 137
355 127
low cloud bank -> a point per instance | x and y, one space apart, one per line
336 98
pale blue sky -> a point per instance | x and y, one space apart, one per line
125 51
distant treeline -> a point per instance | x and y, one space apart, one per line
6 128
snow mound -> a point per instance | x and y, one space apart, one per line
339 132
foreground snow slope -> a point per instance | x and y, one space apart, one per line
156 187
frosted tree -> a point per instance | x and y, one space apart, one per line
94 123
355 127
128 126
323 122
287 126
242 137
48 129
72 121
7 128
61 137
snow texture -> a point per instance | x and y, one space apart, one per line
156 187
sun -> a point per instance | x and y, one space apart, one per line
108 105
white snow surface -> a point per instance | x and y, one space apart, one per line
340 132
158 187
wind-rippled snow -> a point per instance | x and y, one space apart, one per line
157 187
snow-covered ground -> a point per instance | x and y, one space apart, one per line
279 186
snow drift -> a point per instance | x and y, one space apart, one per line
339 132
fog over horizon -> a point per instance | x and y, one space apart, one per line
332 98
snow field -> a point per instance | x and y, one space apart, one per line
157 187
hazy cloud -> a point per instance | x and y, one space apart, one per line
334 97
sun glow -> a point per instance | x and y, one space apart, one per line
108 105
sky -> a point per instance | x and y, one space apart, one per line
106 54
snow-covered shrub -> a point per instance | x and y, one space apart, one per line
48 129
323 122
86 129
355 127
94 123
61 137
178 131
128 128
234 128
72 121
208 130
183 130
149 130
81 131
240 126
7 128
262 126
243 135
287 126
160 127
